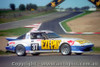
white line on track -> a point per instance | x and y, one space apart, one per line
65 20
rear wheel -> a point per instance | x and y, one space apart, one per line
65 49
20 50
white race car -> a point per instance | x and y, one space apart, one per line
47 41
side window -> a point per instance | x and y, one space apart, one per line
36 36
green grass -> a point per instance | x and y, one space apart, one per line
4 53
9 11
5 20
14 32
96 49
64 23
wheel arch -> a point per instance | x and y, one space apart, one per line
23 44
17 45
62 44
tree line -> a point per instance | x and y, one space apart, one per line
23 7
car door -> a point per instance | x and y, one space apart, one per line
50 43
36 39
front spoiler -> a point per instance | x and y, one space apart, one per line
82 49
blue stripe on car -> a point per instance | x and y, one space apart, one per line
12 48
82 48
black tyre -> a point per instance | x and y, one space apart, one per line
65 49
78 53
35 54
20 50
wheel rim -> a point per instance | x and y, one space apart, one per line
65 49
20 51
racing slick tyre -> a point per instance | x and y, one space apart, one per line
35 54
65 49
20 50
78 53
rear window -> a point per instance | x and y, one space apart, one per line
36 36
22 36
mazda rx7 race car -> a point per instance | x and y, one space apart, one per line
47 41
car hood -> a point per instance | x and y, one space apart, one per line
78 41
68 39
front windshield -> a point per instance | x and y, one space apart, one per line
53 35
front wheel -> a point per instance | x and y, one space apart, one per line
20 50
65 49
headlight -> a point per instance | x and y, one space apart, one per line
82 41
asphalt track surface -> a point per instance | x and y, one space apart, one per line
31 21
51 61
54 24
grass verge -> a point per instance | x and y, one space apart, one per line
9 11
96 49
64 23
14 32
4 53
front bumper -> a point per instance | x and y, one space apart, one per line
81 49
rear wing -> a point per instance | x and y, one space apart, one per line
11 38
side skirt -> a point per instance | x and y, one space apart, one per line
42 51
